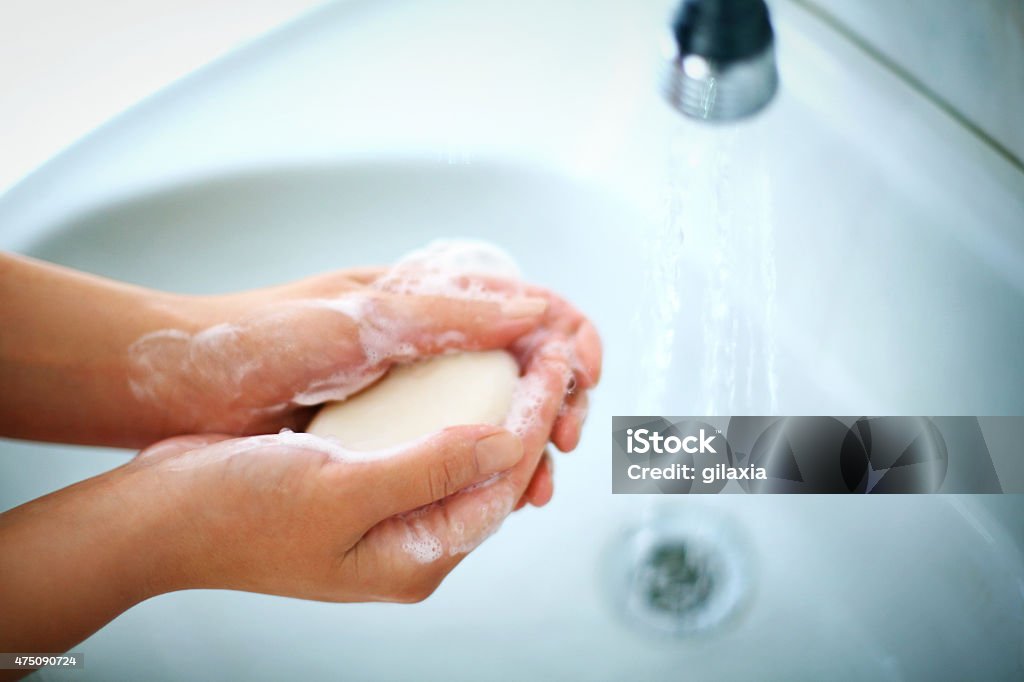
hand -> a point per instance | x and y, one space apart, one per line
289 514
354 326
262 360
562 362
297 515
94 361
382 528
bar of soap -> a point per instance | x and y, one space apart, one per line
417 399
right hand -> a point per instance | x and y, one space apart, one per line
295 515
259 361
238 380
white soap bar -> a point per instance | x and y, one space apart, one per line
421 398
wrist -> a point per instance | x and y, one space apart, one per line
153 533
115 534
170 395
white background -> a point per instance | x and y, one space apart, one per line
66 66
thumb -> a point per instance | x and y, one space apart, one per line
440 465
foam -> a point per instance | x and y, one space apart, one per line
447 267
420 544
455 536
493 513
526 404
532 389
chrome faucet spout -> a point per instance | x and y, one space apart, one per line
723 66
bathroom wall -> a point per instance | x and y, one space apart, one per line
968 52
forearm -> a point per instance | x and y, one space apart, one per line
64 340
72 561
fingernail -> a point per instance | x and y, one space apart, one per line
498 452
524 307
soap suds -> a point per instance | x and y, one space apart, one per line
450 268
421 544
493 513
466 519
541 346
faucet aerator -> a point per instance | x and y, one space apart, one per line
723 68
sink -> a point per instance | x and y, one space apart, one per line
874 256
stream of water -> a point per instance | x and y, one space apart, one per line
711 279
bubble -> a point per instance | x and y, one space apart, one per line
493 513
451 268
421 544
526 405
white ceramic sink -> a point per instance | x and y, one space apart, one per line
870 251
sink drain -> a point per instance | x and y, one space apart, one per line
683 573
673 580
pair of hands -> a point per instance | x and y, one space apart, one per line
288 514
89 360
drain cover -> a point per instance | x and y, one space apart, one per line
684 572
674 579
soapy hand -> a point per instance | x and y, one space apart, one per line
89 360
297 515
289 514
562 357
259 361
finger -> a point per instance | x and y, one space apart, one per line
434 324
568 426
543 471
438 466
405 557
465 520
588 352
542 485
547 376
366 275
561 315
468 285
539 398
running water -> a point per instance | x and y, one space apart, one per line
716 240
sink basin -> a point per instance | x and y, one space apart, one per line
867 249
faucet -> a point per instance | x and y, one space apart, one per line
723 66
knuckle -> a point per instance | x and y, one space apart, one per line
457 471
449 477
437 482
